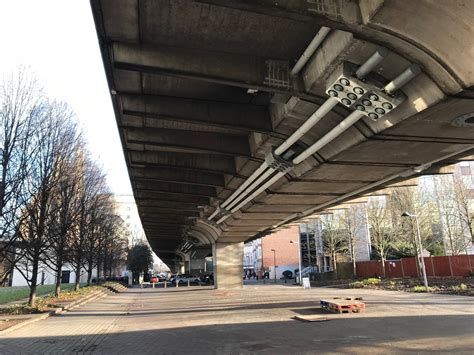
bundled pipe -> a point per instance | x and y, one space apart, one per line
238 199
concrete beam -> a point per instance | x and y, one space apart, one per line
168 218
150 211
173 197
244 117
144 202
230 69
397 152
326 11
179 176
173 188
190 141
237 70
203 162
196 89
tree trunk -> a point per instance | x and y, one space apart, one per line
34 279
354 267
98 270
78 274
89 273
105 269
383 264
57 290
334 262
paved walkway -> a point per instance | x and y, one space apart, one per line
254 319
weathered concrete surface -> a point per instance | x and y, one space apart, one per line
250 320
228 264
179 73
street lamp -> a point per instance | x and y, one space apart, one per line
420 246
274 264
299 259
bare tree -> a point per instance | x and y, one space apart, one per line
116 246
49 139
453 204
413 199
98 230
65 203
464 199
381 231
20 102
353 221
333 236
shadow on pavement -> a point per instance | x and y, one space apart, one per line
452 333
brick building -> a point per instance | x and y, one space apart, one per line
286 254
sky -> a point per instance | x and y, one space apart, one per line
56 39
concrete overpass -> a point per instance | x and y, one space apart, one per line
237 117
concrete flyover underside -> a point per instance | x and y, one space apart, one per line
180 71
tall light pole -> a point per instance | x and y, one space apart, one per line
299 259
274 264
420 247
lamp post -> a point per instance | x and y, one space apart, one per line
274 264
299 259
420 246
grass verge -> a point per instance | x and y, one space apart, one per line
16 293
48 302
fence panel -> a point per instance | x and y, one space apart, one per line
368 268
410 268
429 266
460 265
393 268
441 264
457 265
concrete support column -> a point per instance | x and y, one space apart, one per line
187 259
228 264
197 266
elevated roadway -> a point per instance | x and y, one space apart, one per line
208 96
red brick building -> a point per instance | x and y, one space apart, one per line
286 253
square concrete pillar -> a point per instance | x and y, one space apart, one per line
228 268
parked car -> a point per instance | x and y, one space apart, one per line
207 278
183 279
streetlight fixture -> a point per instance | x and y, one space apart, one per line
420 246
274 264
299 259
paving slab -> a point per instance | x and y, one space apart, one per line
255 319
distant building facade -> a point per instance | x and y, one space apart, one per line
273 254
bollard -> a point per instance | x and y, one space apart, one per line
166 284
152 285
177 283
189 283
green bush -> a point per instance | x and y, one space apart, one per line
460 287
372 281
419 288
356 284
